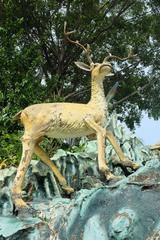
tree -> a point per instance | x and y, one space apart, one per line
37 63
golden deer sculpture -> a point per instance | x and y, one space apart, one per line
68 120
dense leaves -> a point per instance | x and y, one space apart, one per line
37 64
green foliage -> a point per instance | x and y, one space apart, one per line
51 145
74 148
37 64
10 148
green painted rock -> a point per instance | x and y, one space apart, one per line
124 210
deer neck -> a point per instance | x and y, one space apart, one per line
97 93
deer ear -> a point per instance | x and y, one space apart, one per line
83 66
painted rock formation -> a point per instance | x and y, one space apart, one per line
128 209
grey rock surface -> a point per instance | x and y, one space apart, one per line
128 209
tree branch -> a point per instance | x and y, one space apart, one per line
87 89
132 94
100 31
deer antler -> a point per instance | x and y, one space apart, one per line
87 49
130 55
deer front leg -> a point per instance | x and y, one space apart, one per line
44 157
123 159
100 132
28 146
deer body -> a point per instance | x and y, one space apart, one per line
68 120
61 120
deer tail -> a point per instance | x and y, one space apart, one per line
17 116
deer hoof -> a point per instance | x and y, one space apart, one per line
19 203
68 189
109 177
135 166
128 163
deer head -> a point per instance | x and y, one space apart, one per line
98 70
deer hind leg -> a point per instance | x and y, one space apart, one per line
102 165
44 157
123 159
28 147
